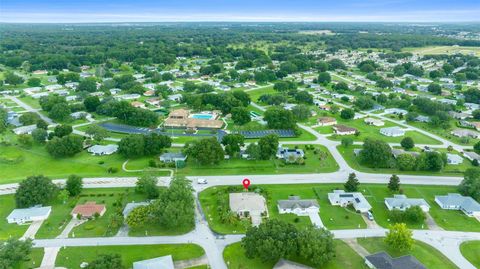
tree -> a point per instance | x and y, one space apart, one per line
39 135
106 261
347 142
347 113
303 97
132 146
60 112
470 185
268 146
301 112
352 183
91 103
3 120
394 183
407 143
13 251
74 185
434 88
13 79
232 143
241 115
324 78
364 102
147 184
41 124
87 85
29 118
279 118
476 147
253 151
96 132
34 82
138 217
316 246
155 143
62 130
35 190
66 146
430 161
406 162
271 240
399 237
63 196
205 151
376 153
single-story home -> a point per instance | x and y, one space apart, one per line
23 215
454 159
88 210
246 204
383 260
326 121
103 149
25 129
401 202
170 157
396 111
455 201
297 206
289 155
465 133
398 152
343 130
374 122
343 199
471 155
392 131
165 262
286 264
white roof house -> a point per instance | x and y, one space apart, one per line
465 133
25 129
103 149
455 201
297 206
401 202
396 111
23 215
165 262
471 155
170 157
454 159
343 199
392 131
374 122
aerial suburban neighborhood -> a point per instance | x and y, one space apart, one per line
131 139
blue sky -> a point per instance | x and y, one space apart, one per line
238 10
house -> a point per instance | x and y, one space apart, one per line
374 122
182 118
471 155
246 204
343 130
131 206
154 101
88 210
475 124
398 152
465 133
78 115
25 129
297 206
421 118
343 199
455 201
165 262
454 159
395 111
289 155
392 131
171 157
286 264
402 203
383 260
99 150
326 121
137 104
458 116
24 215
175 97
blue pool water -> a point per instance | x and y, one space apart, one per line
202 116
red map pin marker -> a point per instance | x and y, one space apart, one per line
246 183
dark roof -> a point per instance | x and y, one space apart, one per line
383 260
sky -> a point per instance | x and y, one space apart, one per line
71 11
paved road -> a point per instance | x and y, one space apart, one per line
31 109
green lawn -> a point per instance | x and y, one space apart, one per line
352 160
7 203
427 255
445 133
30 101
345 258
255 94
34 260
245 167
470 250
72 257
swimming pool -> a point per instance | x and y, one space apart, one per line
202 116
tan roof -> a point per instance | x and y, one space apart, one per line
326 119
247 201
343 128
179 113
88 209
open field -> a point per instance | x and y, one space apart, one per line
444 50
345 258
470 250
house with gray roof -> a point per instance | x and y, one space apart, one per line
396 111
402 203
455 201
392 131
24 215
289 155
297 206
25 129
454 159
471 155
170 157
383 260
99 150
398 152
343 199
165 262
465 133
286 264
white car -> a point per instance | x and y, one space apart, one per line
201 181
370 216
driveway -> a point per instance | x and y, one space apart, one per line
32 229
316 220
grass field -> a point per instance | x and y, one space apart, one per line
470 250
427 255
72 257
345 258
34 260
444 50
250 167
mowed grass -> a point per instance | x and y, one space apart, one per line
444 50
7 204
33 261
353 161
470 250
250 167
345 257
72 257
427 255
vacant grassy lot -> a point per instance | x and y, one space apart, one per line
345 258
72 257
427 255
470 251
444 50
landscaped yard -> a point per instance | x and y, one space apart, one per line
7 204
34 259
427 255
72 257
470 250
345 258
250 167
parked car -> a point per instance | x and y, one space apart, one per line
370 215
202 181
